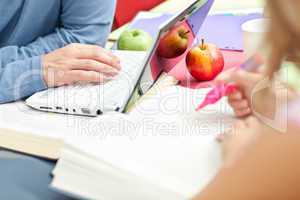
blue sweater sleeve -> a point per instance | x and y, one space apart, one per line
82 21
20 79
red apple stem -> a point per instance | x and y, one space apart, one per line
187 32
202 44
184 34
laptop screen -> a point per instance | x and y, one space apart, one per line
183 28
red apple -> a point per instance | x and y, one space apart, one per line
205 61
174 43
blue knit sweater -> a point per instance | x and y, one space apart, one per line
31 28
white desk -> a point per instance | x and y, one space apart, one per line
7 112
23 116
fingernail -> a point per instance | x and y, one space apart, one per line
117 59
108 78
119 62
114 72
118 65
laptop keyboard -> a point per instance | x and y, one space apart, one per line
110 94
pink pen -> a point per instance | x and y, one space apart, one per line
223 89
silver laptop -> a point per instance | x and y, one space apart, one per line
136 76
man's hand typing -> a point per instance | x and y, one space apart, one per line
79 63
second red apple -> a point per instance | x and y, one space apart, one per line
205 61
174 43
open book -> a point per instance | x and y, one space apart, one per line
162 150
43 134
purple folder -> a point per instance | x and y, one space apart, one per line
225 30
222 29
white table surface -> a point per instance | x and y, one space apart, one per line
18 116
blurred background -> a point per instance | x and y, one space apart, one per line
127 9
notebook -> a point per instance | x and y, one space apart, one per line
167 151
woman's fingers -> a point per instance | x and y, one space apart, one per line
243 112
225 77
239 104
235 96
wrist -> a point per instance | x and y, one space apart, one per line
37 75
46 71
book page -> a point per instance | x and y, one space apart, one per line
167 143
20 118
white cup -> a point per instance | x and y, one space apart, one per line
254 32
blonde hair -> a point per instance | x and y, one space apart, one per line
284 32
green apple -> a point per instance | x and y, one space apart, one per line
135 40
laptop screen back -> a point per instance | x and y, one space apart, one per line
160 60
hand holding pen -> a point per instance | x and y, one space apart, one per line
237 84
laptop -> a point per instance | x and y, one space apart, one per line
140 71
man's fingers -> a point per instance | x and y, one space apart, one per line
96 53
92 65
86 77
